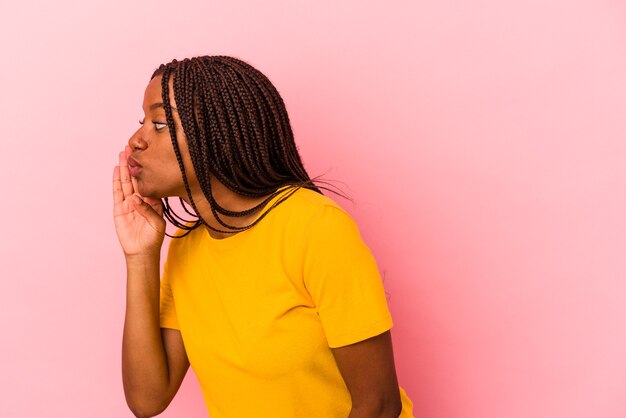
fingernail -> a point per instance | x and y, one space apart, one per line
137 200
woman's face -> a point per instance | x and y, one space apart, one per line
153 163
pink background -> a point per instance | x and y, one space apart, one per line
483 142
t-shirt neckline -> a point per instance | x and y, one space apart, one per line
236 239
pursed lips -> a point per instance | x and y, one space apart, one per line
133 166
133 163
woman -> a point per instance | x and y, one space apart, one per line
269 293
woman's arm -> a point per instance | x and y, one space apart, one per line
368 369
154 361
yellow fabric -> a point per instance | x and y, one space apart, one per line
258 311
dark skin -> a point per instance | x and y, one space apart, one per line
154 361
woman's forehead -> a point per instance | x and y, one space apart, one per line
153 94
153 91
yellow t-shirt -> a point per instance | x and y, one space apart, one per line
259 311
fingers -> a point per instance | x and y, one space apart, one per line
118 195
127 185
154 203
134 183
157 205
147 211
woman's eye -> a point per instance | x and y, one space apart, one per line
157 125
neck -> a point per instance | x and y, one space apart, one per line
227 199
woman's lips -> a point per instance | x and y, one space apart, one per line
133 170
133 166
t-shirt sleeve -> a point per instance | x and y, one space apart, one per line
167 310
342 278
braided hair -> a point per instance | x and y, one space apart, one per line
237 130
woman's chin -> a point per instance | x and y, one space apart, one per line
146 191
154 194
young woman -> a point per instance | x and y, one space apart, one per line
268 291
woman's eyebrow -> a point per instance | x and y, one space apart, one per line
160 105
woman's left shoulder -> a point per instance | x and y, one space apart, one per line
321 215
308 210
311 202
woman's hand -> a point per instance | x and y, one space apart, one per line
138 220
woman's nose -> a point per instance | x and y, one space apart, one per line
136 142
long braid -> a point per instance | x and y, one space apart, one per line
237 130
281 120
221 137
241 128
257 121
172 128
270 131
167 210
186 115
271 98
184 111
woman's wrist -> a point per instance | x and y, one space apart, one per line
144 259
